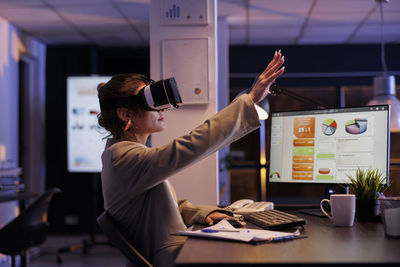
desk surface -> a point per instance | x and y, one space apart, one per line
363 243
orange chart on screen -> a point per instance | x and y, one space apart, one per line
303 142
304 127
303 148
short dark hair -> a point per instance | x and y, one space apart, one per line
120 85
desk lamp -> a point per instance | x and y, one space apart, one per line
276 90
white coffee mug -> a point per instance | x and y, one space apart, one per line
343 209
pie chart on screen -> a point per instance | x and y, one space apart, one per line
356 126
328 127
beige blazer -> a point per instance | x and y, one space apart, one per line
136 190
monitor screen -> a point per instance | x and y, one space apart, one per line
85 138
324 146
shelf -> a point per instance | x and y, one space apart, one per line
10 172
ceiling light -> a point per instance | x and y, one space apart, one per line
385 85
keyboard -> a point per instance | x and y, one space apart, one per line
274 219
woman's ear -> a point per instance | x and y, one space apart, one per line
123 114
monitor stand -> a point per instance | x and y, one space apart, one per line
287 203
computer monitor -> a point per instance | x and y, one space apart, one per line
325 146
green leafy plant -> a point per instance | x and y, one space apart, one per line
367 183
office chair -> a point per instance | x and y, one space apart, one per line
111 229
28 229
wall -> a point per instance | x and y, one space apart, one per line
8 105
223 101
306 65
13 46
81 196
199 182
9 57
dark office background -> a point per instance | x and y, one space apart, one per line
63 61
76 205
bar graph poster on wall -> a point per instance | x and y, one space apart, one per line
84 135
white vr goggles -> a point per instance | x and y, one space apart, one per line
159 95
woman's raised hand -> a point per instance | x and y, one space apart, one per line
261 88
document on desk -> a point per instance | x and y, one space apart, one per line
224 230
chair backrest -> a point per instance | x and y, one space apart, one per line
30 227
114 234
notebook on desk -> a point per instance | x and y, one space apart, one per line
224 230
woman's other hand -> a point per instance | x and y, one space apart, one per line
261 88
217 215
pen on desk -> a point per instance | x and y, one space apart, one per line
217 230
286 238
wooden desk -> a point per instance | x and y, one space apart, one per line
364 243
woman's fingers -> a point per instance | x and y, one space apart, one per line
209 221
274 65
277 74
217 215
270 78
275 58
267 77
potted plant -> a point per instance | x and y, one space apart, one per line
367 185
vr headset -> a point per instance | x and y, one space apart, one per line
156 96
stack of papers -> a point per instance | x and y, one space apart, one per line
224 230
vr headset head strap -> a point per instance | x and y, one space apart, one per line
121 102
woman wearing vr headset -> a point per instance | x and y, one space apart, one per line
135 177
